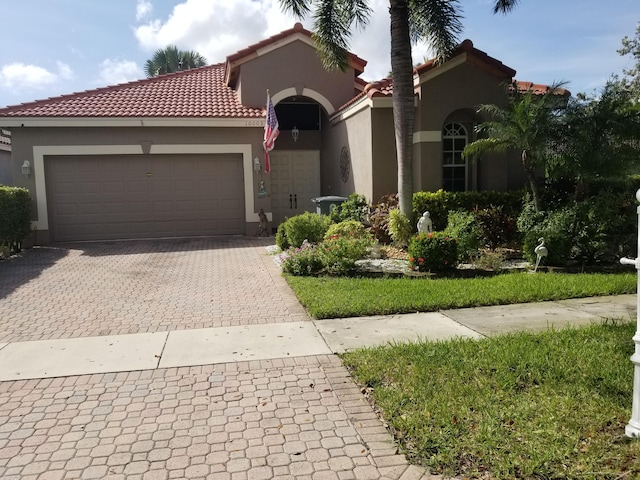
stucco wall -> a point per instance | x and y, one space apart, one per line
354 133
6 168
454 95
295 65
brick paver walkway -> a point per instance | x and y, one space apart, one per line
290 418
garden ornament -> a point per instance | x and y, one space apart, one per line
425 225
540 251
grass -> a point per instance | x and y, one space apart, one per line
333 297
548 406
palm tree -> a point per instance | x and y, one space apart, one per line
437 21
526 124
170 59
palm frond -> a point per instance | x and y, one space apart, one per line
332 21
439 22
300 8
485 145
504 6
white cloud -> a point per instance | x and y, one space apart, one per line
214 28
118 71
19 75
143 9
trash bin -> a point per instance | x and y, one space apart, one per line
324 204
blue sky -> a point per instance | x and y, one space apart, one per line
51 48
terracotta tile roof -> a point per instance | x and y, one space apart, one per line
539 88
251 51
196 93
477 58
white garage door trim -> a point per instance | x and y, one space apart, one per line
39 152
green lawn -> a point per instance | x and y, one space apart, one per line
333 297
547 406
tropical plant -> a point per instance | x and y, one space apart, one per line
399 227
597 138
348 228
525 124
353 208
339 253
306 226
464 226
170 60
437 21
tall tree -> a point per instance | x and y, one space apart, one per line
598 137
631 79
170 60
525 124
436 21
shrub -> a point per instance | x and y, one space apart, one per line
498 227
340 252
379 218
399 228
15 217
307 226
281 238
440 203
348 228
465 227
303 260
433 251
557 230
354 208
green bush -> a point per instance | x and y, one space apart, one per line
340 252
350 228
302 261
433 252
281 238
399 228
307 226
440 203
556 228
464 226
15 217
354 208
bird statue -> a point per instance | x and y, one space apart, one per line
540 251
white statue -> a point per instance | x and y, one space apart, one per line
425 225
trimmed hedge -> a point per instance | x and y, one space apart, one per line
15 217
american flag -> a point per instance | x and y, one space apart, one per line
271 132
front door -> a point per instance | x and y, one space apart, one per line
295 180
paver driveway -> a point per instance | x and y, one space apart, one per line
288 418
110 288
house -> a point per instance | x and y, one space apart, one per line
182 155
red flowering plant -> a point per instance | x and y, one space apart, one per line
432 252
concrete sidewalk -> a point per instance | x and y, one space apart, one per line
185 348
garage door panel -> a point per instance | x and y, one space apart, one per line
102 197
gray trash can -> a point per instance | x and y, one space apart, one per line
324 204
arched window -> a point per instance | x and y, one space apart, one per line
454 167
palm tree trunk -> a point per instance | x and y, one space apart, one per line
403 101
533 181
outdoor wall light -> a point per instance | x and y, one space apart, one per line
26 168
256 165
294 133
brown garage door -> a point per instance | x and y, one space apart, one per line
102 197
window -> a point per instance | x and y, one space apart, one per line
454 167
